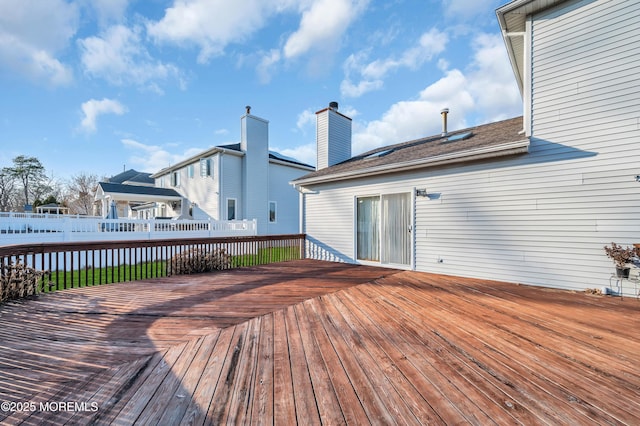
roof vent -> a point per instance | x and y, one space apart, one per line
444 114
333 105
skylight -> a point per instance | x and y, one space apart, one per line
379 153
459 137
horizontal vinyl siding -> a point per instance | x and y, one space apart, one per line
286 197
201 190
586 96
231 171
339 138
522 219
329 225
330 216
322 137
540 218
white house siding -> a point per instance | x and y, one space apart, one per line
200 189
585 108
330 215
541 218
286 198
331 125
493 220
255 143
231 184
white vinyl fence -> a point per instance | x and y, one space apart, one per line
22 228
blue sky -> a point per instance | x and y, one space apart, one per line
95 86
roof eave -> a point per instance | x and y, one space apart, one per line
502 150
140 197
196 158
291 164
522 8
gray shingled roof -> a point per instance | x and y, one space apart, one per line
272 155
482 139
119 188
132 175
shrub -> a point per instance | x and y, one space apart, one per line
620 256
18 281
198 260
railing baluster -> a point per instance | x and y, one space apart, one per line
155 257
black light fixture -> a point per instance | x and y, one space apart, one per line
421 192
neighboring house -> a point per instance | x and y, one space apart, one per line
532 199
134 192
240 181
52 208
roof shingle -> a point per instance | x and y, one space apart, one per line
483 136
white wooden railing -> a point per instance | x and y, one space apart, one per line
20 228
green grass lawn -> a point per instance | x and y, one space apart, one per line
89 277
112 274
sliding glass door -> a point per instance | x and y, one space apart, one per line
384 229
368 228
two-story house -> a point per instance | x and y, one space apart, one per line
132 192
238 181
532 199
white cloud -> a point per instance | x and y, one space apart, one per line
153 158
372 74
487 92
350 90
304 153
120 57
492 81
32 33
306 119
267 64
109 10
212 24
323 25
94 108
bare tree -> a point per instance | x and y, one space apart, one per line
8 191
80 193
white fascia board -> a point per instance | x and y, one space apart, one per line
511 148
520 10
289 164
195 159
142 197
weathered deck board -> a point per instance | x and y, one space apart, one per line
317 342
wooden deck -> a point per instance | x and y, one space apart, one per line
316 342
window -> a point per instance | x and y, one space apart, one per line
272 211
190 171
205 167
231 209
175 178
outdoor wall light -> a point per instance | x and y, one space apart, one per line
421 192
637 178
434 195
